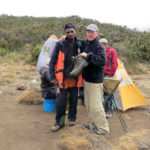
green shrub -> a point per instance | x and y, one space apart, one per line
3 51
22 34
34 54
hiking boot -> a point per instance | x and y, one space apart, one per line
57 127
96 131
86 126
79 64
72 123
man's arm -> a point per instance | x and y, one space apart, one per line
98 58
47 76
114 63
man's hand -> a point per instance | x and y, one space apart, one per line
83 54
53 82
62 38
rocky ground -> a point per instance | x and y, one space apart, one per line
26 127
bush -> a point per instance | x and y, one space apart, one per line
23 34
34 54
3 51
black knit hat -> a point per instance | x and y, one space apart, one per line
69 25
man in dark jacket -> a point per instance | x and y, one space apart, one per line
93 82
60 67
48 90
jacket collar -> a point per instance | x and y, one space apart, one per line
90 42
66 39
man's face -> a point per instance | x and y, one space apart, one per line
70 33
91 35
105 45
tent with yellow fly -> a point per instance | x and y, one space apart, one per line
128 95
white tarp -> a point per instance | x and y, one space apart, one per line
46 51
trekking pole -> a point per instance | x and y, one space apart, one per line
119 114
120 117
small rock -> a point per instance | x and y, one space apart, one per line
21 87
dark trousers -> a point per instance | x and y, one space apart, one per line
70 94
108 102
81 94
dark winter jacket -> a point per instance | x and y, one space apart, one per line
48 90
96 57
58 63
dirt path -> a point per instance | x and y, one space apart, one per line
25 127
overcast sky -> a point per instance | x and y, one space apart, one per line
132 13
